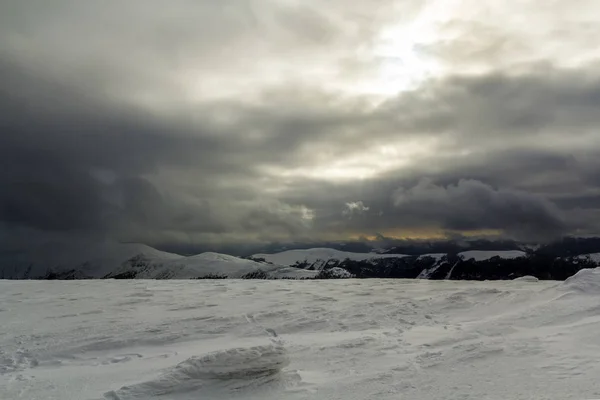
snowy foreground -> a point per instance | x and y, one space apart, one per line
345 339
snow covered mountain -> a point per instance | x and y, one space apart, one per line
96 260
320 258
436 260
466 265
78 259
205 265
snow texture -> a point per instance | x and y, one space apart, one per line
585 281
232 369
482 255
325 340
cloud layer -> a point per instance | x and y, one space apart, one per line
239 122
471 205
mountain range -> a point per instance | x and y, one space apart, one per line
111 260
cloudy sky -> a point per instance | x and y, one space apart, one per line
249 121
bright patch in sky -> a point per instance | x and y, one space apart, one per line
368 163
403 65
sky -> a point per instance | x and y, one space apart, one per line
243 121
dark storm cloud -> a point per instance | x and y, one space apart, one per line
177 124
544 194
58 143
550 112
533 104
49 156
472 205
53 136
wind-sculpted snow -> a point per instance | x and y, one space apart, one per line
325 340
220 371
585 281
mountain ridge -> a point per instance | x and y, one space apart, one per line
113 260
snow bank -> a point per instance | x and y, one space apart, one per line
585 281
232 369
482 255
526 278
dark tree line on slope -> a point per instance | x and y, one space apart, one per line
449 267
453 267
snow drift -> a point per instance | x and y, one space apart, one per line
225 370
585 281
527 278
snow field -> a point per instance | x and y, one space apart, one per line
347 339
